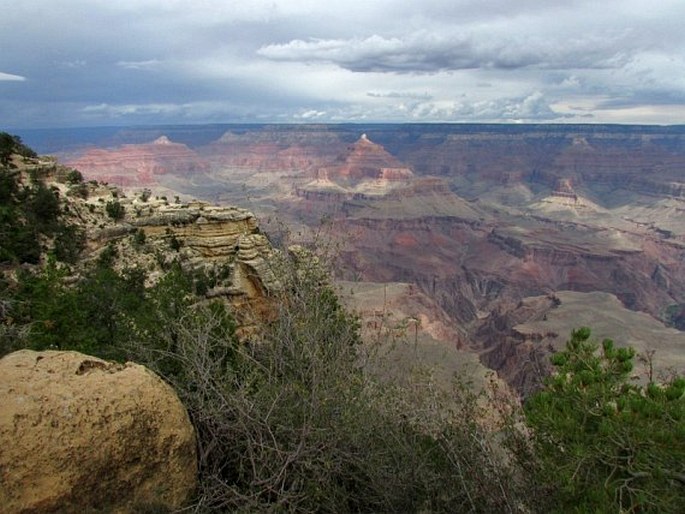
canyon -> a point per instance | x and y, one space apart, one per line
507 236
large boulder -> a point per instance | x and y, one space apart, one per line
79 434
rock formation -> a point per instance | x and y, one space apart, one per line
515 211
79 434
366 174
137 165
221 243
365 160
281 148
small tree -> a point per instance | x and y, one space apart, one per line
69 242
74 177
139 238
175 243
605 444
9 145
115 210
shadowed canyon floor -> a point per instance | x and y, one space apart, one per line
511 233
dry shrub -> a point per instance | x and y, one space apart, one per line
292 422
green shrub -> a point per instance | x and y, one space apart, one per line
10 145
139 238
80 190
604 443
43 207
27 214
115 210
175 243
69 242
74 177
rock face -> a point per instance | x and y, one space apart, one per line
225 243
220 246
221 243
78 434
518 341
281 148
366 174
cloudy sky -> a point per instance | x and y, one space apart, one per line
122 62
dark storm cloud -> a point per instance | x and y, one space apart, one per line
427 52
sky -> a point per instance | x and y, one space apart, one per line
72 63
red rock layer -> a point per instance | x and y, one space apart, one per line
137 165
292 150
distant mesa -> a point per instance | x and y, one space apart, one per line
363 170
366 180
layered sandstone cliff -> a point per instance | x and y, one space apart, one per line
279 148
366 160
367 178
223 244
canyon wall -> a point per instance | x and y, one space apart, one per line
479 217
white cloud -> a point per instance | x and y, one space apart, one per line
150 64
114 111
397 94
311 114
11 77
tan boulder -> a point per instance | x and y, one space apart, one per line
79 434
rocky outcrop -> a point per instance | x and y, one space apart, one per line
209 232
79 434
220 247
221 243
